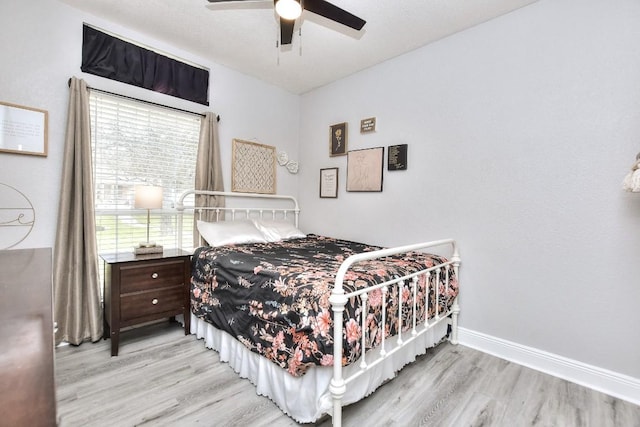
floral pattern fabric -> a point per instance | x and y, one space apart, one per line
274 297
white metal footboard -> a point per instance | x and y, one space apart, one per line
339 299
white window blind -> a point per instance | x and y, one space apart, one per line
137 143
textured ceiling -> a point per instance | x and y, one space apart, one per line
243 35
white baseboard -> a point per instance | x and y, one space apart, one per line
612 383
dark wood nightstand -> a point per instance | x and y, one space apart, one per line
142 288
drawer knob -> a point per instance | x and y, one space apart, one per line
154 301
154 276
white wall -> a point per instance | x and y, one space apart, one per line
520 132
41 49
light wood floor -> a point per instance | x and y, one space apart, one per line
164 378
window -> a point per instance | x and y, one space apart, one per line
137 143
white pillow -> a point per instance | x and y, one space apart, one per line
229 232
275 231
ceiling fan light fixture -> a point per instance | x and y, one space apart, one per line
288 9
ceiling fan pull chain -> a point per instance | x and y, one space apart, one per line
300 28
278 50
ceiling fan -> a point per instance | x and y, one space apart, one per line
290 10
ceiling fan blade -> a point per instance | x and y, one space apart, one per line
286 30
326 9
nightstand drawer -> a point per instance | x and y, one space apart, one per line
142 304
134 278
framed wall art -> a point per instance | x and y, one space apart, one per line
253 168
397 157
23 130
364 169
368 125
17 216
338 139
329 183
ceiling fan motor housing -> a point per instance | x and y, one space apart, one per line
319 7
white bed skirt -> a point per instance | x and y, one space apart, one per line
307 398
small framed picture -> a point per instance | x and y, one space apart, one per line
397 157
364 169
329 183
338 139
368 125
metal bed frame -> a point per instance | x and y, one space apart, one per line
339 298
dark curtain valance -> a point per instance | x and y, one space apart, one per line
108 56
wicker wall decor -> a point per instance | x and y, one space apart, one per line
254 167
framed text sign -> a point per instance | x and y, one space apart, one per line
329 183
23 130
368 125
397 157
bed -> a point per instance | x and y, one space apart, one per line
314 322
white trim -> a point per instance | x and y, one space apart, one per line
612 383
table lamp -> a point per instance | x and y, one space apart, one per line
148 197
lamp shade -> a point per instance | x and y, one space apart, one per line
288 9
148 197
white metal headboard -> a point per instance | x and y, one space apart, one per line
235 212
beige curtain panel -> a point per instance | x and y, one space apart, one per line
77 306
208 171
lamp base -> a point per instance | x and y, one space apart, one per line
144 250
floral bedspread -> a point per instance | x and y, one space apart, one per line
274 297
